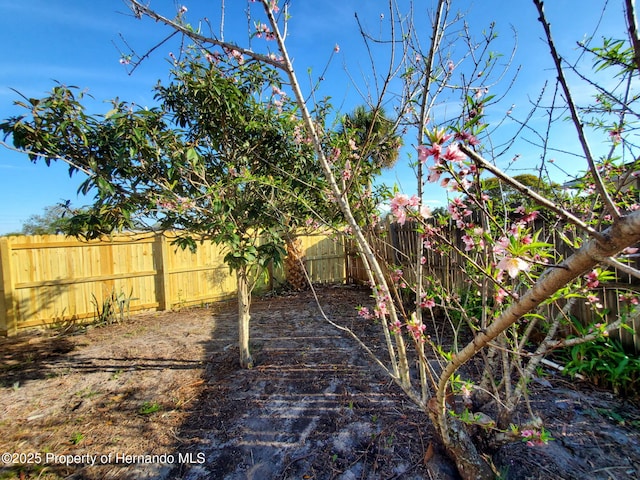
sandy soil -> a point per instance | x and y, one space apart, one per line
161 396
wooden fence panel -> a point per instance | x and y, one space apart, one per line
53 278
324 258
59 279
196 277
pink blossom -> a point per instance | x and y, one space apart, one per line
592 279
398 206
396 327
417 330
615 135
399 200
594 300
513 265
500 296
364 313
530 217
401 216
501 246
425 212
276 91
467 138
423 153
469 243
396 275
427 303
346 173
335 154
434 173
235 54
213 57
453 154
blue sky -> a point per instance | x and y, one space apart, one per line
79 42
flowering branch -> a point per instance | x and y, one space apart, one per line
481 162
624 232
140 9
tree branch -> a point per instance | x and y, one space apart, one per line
632 28
623 233
618 265
539 199
140 9
575 116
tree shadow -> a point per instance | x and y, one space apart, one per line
27 301
28 356
314 406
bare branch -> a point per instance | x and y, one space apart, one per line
618 265
632 27
575 116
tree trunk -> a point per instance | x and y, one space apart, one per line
624 232
294 265
244 302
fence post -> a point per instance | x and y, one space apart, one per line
8 322
163 294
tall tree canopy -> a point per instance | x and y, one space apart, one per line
221 158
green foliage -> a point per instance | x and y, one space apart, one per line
112 309
55 219
605 363
219 160
502 196
147 408
365 143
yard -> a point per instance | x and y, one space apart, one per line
160 396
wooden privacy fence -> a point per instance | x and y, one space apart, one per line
52 279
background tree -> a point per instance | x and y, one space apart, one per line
55 219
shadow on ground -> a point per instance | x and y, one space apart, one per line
313 407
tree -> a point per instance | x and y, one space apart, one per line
54 220
207 163
505 266
374 135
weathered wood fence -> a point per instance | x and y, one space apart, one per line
53 279
397 244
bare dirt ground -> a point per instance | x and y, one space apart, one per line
161 396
